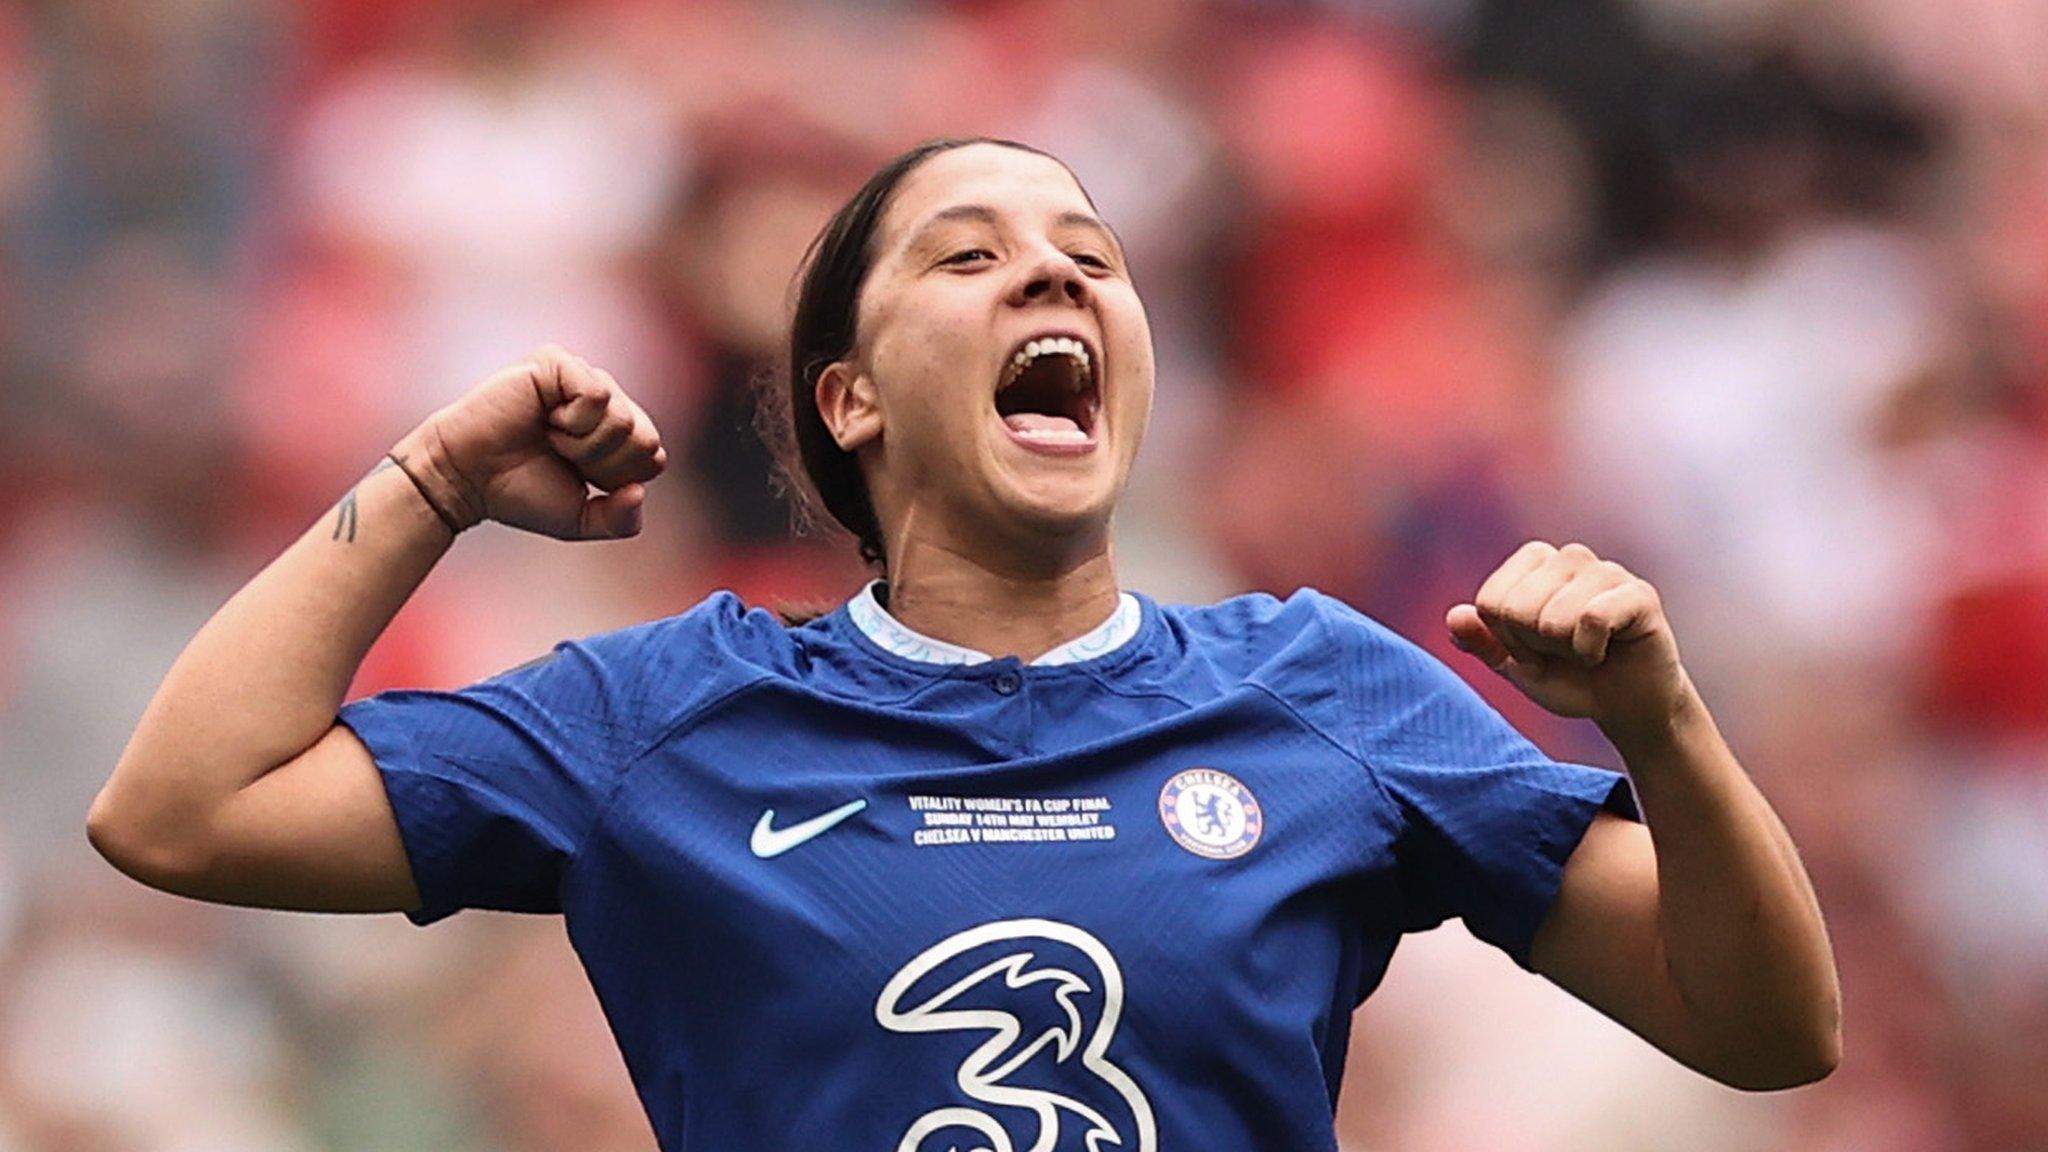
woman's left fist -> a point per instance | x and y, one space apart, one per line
1579 635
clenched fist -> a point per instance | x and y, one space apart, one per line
525 446
1579 635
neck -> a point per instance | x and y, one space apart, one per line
948 595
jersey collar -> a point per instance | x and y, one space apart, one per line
874 621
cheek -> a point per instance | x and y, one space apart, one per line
1134 406
924 395
1137 372
925 356
1133 336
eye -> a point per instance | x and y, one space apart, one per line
960 257
1089 258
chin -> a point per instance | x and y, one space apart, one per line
1055 514
1062 500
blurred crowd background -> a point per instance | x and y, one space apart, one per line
1751 295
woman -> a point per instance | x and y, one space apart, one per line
998 855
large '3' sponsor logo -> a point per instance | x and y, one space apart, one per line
988 998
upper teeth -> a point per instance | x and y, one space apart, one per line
1062 344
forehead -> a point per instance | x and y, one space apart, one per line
1006 179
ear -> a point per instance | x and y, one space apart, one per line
849 405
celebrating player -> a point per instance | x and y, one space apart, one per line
999 854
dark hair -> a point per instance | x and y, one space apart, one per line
810 466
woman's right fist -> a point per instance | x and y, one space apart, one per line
524 447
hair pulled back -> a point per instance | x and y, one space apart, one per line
810 465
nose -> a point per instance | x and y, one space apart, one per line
1054 277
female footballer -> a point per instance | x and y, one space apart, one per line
998 855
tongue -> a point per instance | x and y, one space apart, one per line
1039 422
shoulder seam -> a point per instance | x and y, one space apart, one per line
1343 749
1387 804
639 755
1350 697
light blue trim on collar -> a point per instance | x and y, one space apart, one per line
886 631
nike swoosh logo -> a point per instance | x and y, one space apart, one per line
768 840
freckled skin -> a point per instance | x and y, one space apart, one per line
941 312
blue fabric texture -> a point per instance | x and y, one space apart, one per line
832 896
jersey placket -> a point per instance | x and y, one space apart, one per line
1005 688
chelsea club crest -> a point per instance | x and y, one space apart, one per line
1210 813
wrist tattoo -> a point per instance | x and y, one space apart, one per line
346 514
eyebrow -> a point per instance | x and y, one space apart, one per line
983 214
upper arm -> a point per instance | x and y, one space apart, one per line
426 801
1600 939
316 833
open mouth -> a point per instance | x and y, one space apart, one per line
1048 396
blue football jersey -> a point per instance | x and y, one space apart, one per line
838 890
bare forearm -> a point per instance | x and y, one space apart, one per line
1742 933
261 682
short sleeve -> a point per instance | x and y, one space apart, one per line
1488 819
494 786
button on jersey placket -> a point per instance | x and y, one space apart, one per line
1009 692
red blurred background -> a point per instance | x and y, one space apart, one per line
1750 295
